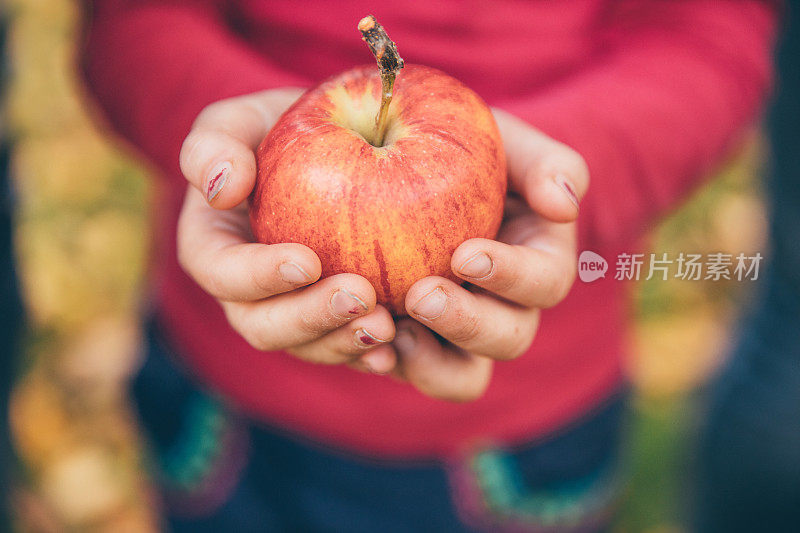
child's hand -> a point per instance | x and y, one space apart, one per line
255 283
531 266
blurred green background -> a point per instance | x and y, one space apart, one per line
82 248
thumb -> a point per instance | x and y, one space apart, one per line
552 177
217 157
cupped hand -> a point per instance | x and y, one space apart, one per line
268 292
530 266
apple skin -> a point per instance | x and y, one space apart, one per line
393 214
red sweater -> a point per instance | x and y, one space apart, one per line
652 93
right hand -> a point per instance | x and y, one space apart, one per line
268 292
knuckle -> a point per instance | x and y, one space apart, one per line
519 338
341 355
214 285
223 115
261 339
505 279
263 283
236 319
467 328
300 352
189 149
207 280
309 325
189 143
212 280
254 336
212 110
566 283
513 350
255 340
559 290
547 287
183 255
522 343
343 349
527 295
313 353
261 278
532 171
261 335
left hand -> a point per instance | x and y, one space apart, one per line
531 266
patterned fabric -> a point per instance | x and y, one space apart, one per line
219 471
199 447
493 495
200 470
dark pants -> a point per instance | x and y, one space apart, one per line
218 471
749 460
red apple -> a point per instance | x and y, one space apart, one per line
392 213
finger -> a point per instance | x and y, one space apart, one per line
380 360
475 322
439 371
551 176
355 339
217 156
299 317
214 248
537 272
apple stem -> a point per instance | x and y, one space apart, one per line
389 64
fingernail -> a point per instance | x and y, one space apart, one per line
562 182
293 273
365 339
431 305
378 362
344 303
217 180
404 341
477 266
